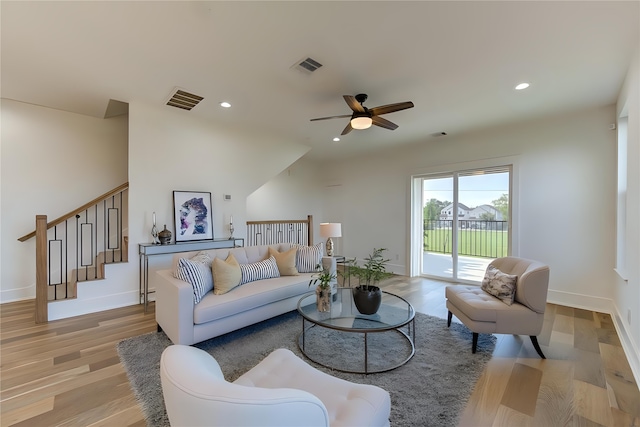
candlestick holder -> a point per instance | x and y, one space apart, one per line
154 231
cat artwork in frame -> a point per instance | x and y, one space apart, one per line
193 219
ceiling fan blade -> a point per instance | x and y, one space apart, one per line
347 129
385 109
332 117
383 123
353 104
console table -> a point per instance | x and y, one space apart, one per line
150 249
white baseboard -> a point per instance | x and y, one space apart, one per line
586 302
629 346
603 305
18 294
76 307
399 269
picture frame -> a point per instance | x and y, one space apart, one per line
192 216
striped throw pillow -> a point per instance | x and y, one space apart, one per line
265 269
308 258
197 272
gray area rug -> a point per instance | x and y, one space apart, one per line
430 390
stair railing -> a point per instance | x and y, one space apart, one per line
75 247
298 231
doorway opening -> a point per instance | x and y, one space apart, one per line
462 222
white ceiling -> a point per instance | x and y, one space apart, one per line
457 61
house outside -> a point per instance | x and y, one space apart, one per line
467 213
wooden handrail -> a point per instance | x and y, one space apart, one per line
80 209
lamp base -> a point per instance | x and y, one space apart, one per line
329 247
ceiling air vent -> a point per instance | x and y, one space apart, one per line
183 99
307 65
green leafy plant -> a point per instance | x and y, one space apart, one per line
323 277
372 271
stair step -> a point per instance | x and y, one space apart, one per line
57 292
88 274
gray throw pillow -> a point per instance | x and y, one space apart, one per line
500 285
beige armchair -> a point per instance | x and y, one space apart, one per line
483 313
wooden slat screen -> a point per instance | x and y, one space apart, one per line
280 231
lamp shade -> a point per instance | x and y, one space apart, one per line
331 229
361 122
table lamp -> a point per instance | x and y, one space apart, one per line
329 230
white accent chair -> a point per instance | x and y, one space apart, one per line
486 314
282 390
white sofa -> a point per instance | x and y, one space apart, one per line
188 323
282 390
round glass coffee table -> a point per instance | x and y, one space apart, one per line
345 340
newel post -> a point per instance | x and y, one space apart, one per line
42 292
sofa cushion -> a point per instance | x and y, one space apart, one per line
249 296
499 284
286 261
197 272
266 269
308 258
226 274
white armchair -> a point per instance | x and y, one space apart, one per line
282 390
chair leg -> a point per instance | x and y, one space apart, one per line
475 342
534 341
449 319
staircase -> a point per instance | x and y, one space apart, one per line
68 290
77 246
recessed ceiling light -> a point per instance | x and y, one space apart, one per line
225 104
522 86
336 139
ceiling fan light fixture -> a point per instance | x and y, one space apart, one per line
361 122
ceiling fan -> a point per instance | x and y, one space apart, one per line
363 117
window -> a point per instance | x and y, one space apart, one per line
458 247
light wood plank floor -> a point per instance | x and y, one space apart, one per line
67 373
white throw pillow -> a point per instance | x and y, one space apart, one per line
265 269
500 285
308 258
197 272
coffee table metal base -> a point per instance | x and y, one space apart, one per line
410 336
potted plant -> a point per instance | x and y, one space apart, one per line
366 295
323 278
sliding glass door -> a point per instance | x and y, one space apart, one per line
465 222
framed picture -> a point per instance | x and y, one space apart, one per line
192 216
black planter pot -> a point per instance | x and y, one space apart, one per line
367 299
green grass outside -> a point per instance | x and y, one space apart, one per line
483 243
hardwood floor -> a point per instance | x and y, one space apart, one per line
67 372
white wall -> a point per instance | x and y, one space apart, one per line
566 161
160 149
170 150
296 192
626 294
52 162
